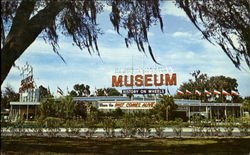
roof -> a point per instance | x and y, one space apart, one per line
210 104
179 102
110 98
25 103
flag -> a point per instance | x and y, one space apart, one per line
105 92
59 90
84 93
168 91
180 92
225 92
68 90
216 92
207 92
48 90
188 92
234 93
96 92
197 92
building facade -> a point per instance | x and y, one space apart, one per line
27 106
219 111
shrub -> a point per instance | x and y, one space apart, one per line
109 124
159 129
72 128
52 125
229 126
18 129
5 124
143 127
197 124
90 123
178 127
207 127
244 126
215 129
38 128
128 126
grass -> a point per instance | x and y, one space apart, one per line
59 145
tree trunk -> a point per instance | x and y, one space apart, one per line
21 36
167 114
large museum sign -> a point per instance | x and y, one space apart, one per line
147 80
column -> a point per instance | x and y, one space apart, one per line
27 116
189 113
210 112
218 113
207 111
233 113
19 112
10 115
242 112
35 110
226 112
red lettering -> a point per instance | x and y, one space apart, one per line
170 81
131 81
117 82
155 80
139 80
148 79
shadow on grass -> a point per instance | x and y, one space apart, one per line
59 145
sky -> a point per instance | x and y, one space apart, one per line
180 47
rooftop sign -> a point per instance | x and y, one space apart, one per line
146 80
143 91
143 70
127 105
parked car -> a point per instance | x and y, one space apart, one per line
197 115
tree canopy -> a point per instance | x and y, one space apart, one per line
246 104
202 82
25 20
108 92
8 95
64 108
225 23
164 110
80 90
44 93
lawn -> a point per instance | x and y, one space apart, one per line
59 145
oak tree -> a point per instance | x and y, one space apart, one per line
23 21
223 22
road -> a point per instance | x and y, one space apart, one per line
100 132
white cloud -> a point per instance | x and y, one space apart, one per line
107 7
110 31
169 8
209 59
181 34
150 34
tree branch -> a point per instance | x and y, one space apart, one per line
23 14
20 39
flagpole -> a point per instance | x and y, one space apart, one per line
204 96
221 97
231 96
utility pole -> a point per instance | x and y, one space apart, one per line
167 113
